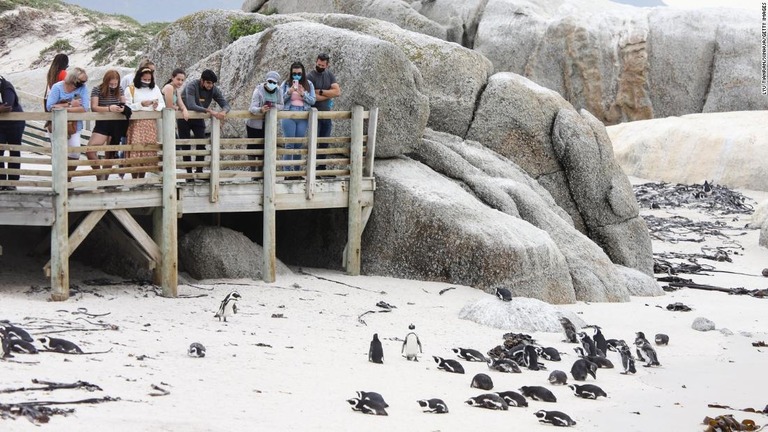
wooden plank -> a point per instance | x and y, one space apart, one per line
59 273
80 233
215 157
138 233
268 266
169 269
108 200
370 153
354 232
26 217
311 153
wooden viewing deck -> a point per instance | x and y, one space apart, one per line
234 179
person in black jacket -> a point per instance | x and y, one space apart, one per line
10 131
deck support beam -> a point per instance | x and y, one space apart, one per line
354 220
268 266
169 254
60 227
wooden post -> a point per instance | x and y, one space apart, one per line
60 228
311 152
169 275
354 213
215 157
157 236
268 268
373 119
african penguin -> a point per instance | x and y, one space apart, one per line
587 343
482 381
470 354
436 406
504 294
504 365
558 377
627 361
14 332
411 346
513 398
639 336
367 406
449 365
228 306
550 353
60 345
600 343
570 330
196 349
581 368
531 358
661 339
489 401
612 344
647 349
587 391
376 352
538 393
555 418
372 396
21 346
5 349
601 362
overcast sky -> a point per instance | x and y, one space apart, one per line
145 11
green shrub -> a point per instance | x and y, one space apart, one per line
243 27
61 45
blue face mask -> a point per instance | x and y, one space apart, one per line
297 77
271 86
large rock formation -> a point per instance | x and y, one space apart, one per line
521 314
720 147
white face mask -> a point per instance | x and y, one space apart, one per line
146 83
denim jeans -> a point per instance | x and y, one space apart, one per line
293 128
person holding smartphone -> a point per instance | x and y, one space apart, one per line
267 95
143 95
298 95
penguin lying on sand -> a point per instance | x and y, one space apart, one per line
555 418
436 406
489 401
513 398
449 365
587 391
60 345
470 354
538 393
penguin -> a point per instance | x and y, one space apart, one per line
601 362
627 361
516 353
196 349
587 391
228 306
367 406
372 396
639 336
411 345
5 349
707 187
581 368
21 346
375 352
504 294
601 344
449 365
549 353
555 418
661 339
531 358
570 330
469 354
647 349
504 365
513 398
60 345
538 393
558 377
613 344
489 401
587 343
14 332
436 406
482 381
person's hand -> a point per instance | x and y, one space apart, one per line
146 103
265 108
185 114
4 108
76 103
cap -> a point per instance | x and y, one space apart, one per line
208 75
273 76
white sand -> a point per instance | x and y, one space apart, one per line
318 355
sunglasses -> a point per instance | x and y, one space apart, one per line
272 81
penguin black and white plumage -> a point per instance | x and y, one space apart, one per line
587 391
648 351
549 353
538 393
613 344
21 346
489 401
555 418
627 361
570 330
587 343
661 339
531 358
367 406
60 345
639 336
196 349
482 381
513 398
449 365
372 396
436 406
504 365
5 349
558 377
583 367
601 362
601 344
15 332
504 294
375 351
228 306
470 354
411 346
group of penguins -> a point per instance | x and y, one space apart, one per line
520 351
14 339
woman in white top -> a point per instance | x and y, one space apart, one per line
143 95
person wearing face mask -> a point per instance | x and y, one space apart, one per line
144 95
107 97
267 95
326 89
71 94
298 95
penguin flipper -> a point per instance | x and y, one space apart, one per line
234 308
418 342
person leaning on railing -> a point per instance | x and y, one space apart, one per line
10 131
107 97
71 94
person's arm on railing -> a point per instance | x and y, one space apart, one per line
219 98
191 96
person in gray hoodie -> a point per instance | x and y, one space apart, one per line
266 96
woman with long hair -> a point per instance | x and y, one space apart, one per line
144 96
107 97
172 92
71 94
58 70
298 95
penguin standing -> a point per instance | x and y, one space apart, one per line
627 361
647 349
600 343
587 391
570 330
411 345
639 336
555 418
228 306
504 294
538 393
587 343
436 406
376 352
531 358
60 345
449 365
5 350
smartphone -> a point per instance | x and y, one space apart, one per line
268 104
296 84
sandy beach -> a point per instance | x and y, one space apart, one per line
296 351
